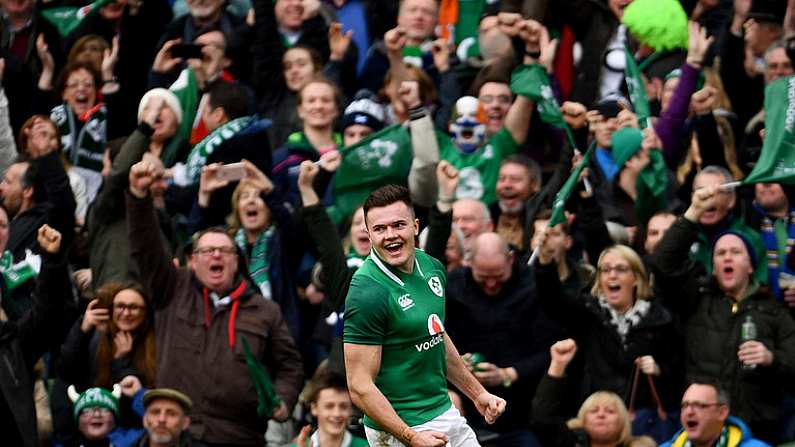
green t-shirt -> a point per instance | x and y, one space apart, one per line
479 170
404 314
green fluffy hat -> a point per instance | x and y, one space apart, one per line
95 398
660 24
626 143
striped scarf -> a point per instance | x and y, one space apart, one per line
776 265
258 263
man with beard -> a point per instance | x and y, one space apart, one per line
398 357
166 419
518 181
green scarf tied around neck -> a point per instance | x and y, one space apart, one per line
258 263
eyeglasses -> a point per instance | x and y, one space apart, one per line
207 251
700 406
621 269
95 411
133 308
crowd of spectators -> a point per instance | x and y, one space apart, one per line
176 251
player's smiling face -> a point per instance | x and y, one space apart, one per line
392 229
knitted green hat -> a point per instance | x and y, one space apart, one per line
626 143
95 398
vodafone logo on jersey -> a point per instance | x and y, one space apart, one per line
436 329
435 325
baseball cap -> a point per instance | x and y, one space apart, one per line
170 394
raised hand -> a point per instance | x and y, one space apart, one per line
705 100
575 114
130 385
109 58
49 239
409 93
209 183
164 61
256 177
338 41
698 44
307 171
142 175
447 177
395 39
95 317
47 63
330 161
152 110
441 55
702 200
562 354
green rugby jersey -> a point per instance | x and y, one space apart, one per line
479 170
404 314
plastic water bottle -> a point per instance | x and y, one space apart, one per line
748 333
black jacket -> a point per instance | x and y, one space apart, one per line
510 330
22 342
713 329
609 359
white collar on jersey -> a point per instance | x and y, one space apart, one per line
381 266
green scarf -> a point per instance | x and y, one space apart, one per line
726 438
204 148
258 263
19 273
84 148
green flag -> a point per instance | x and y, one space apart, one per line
380 159
186 89
267 397
532 82
777 160
559 205
66 19
637 90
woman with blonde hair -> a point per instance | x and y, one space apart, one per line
602 419
623 332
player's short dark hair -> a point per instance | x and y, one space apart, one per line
232 97
385 196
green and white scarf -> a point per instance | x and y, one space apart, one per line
204 148
16 274
258 263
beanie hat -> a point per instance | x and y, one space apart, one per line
626 143
749 247
675 73
364 110
95 398
167 96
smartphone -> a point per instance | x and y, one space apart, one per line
187 51
231 172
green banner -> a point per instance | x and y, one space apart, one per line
637 90
66 19
380 159
777 161
559 205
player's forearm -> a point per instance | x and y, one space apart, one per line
374 404
458 373
517 121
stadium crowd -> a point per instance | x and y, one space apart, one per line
607 183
